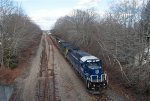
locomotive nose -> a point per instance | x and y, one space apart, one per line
97 71
95 75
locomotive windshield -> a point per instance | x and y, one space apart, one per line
93 64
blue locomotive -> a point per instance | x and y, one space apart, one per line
88 66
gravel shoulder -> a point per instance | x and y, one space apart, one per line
26 84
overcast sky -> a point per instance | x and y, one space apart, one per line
46 12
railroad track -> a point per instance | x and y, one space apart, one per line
46 79
100 97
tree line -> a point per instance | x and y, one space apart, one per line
120 37
17 33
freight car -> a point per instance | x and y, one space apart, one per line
64 46
88 66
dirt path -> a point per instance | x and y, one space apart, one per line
29 89
26 84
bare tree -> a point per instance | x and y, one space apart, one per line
17 33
